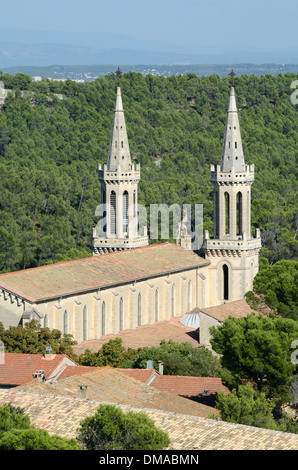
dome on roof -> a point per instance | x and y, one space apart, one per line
191 319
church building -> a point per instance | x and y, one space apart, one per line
127 282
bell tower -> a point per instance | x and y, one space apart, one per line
233 252
119 178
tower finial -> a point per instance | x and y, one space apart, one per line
232 75
118 73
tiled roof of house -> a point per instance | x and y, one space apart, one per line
70 277
18 368
236 309
149 335
109 385
188 386
200 389
62 415
143 375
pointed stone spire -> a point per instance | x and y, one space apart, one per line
119 154
232 151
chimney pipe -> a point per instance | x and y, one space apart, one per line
83 391
39 375
160 367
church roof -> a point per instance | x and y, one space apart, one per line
97 272
232 151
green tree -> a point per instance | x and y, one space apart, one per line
33 339
279 286
35 439
178 359
112 353
258 348
17 433
112 429
247 406
12 417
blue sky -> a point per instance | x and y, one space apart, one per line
253 23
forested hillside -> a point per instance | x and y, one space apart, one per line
54 134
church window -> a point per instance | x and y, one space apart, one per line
121 315
173 301
113 212
156 304
139 310
65 322
229 145
227 213
125 211
239 214
85 323
216 213
121 144
103 319
235 145
189 300
115 143
225 270
46 322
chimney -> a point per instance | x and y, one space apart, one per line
149 364
39 375
48 355
160 367
83 391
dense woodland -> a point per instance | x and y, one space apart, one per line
53 135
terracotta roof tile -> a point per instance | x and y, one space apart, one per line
109 385
149 335
18 368
55 280
237 309
62 415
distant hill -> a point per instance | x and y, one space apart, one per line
91 72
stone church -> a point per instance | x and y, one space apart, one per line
129 282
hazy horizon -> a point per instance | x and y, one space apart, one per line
259 31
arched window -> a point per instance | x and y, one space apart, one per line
173 301
121 315
113 212
134 211
65 322
239 213
46 322
225 270
227 213
103 319
85 323
216 213
156 304
139 310
189 297
125 211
